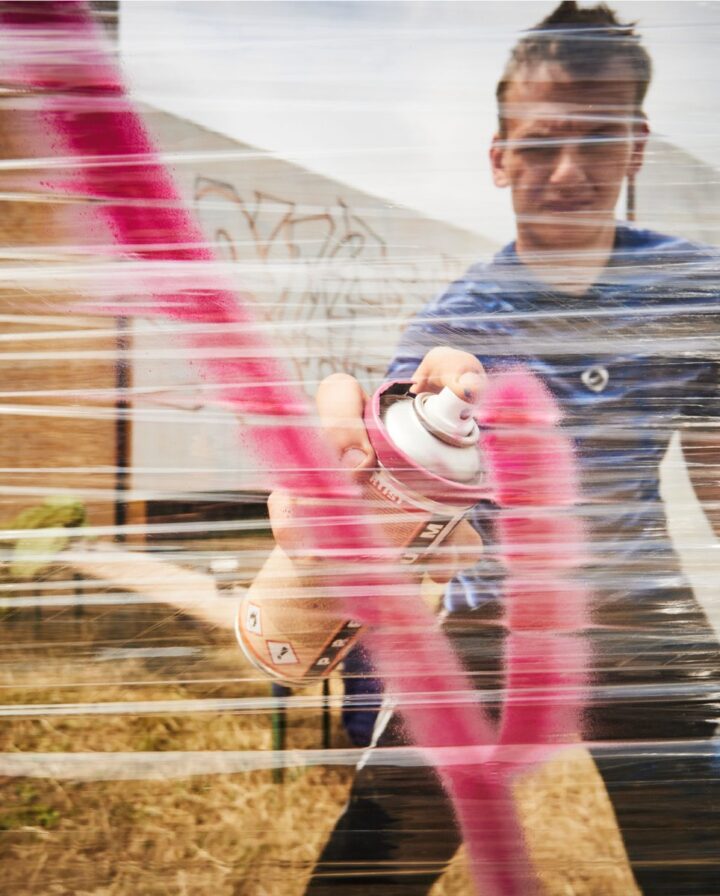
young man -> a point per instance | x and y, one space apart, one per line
620 324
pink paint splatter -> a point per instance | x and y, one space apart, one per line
543 545
83 104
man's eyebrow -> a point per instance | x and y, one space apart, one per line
539 134
607 126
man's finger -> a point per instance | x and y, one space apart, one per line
341 403
444 366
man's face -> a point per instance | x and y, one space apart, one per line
567 147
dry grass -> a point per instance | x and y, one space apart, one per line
241 834
226 834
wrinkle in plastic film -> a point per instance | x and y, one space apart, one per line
172 299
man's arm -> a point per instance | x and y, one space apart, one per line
701 448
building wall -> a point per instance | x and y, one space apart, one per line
57 368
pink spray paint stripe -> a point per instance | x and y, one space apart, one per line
543 546
85 105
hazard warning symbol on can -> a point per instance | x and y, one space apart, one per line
252 619
281 653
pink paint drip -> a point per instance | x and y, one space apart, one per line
83 102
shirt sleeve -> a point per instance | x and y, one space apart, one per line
483 582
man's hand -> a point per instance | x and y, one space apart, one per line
460 371
341 402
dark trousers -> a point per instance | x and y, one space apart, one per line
656 683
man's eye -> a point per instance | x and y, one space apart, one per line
601 142
537 148
596 147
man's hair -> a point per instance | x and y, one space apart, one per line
584 42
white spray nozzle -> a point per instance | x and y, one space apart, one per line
449 413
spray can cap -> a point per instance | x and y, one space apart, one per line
446 467
447 417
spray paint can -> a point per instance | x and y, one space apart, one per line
429 473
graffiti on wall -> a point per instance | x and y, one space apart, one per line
337 291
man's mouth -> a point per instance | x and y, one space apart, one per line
567 206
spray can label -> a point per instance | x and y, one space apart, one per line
417 526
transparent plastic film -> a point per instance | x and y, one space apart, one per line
359 488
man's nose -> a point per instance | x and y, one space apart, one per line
569 170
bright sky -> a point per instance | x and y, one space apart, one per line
395 98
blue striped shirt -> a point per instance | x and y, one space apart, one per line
630 361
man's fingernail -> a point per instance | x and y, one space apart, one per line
471 384
353 458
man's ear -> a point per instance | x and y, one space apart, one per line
497 162
640 139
